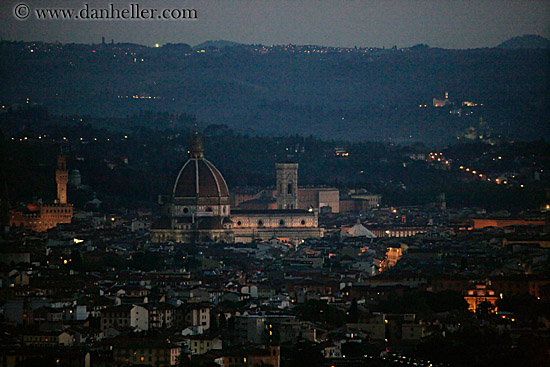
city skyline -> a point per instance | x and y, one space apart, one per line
445 24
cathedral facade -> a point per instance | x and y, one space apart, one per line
199 208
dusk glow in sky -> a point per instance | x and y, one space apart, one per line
443 23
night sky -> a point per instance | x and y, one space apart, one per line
441 23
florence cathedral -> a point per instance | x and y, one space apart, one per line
199 208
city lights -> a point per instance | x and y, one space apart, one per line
216 215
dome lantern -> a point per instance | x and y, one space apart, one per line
196 149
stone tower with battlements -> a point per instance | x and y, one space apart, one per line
62 178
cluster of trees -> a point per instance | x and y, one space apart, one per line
423 303
127 167
321 311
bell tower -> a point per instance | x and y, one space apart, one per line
287 185
62 178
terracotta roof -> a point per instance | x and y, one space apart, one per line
200 178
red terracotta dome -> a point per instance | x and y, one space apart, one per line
198 177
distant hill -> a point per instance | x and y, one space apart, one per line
328 92
526 41
217 44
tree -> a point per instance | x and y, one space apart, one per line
524 306
214 326
446 301
353 349
306 353
222 321
320 311
353 312
76 260
231 323
484 309
463 263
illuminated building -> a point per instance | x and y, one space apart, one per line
479 295
398 231
393 255
442 102
41 217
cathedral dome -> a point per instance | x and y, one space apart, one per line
198 177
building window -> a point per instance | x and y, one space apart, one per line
260 222
239 223
303 222
290 188
282 222
185 210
